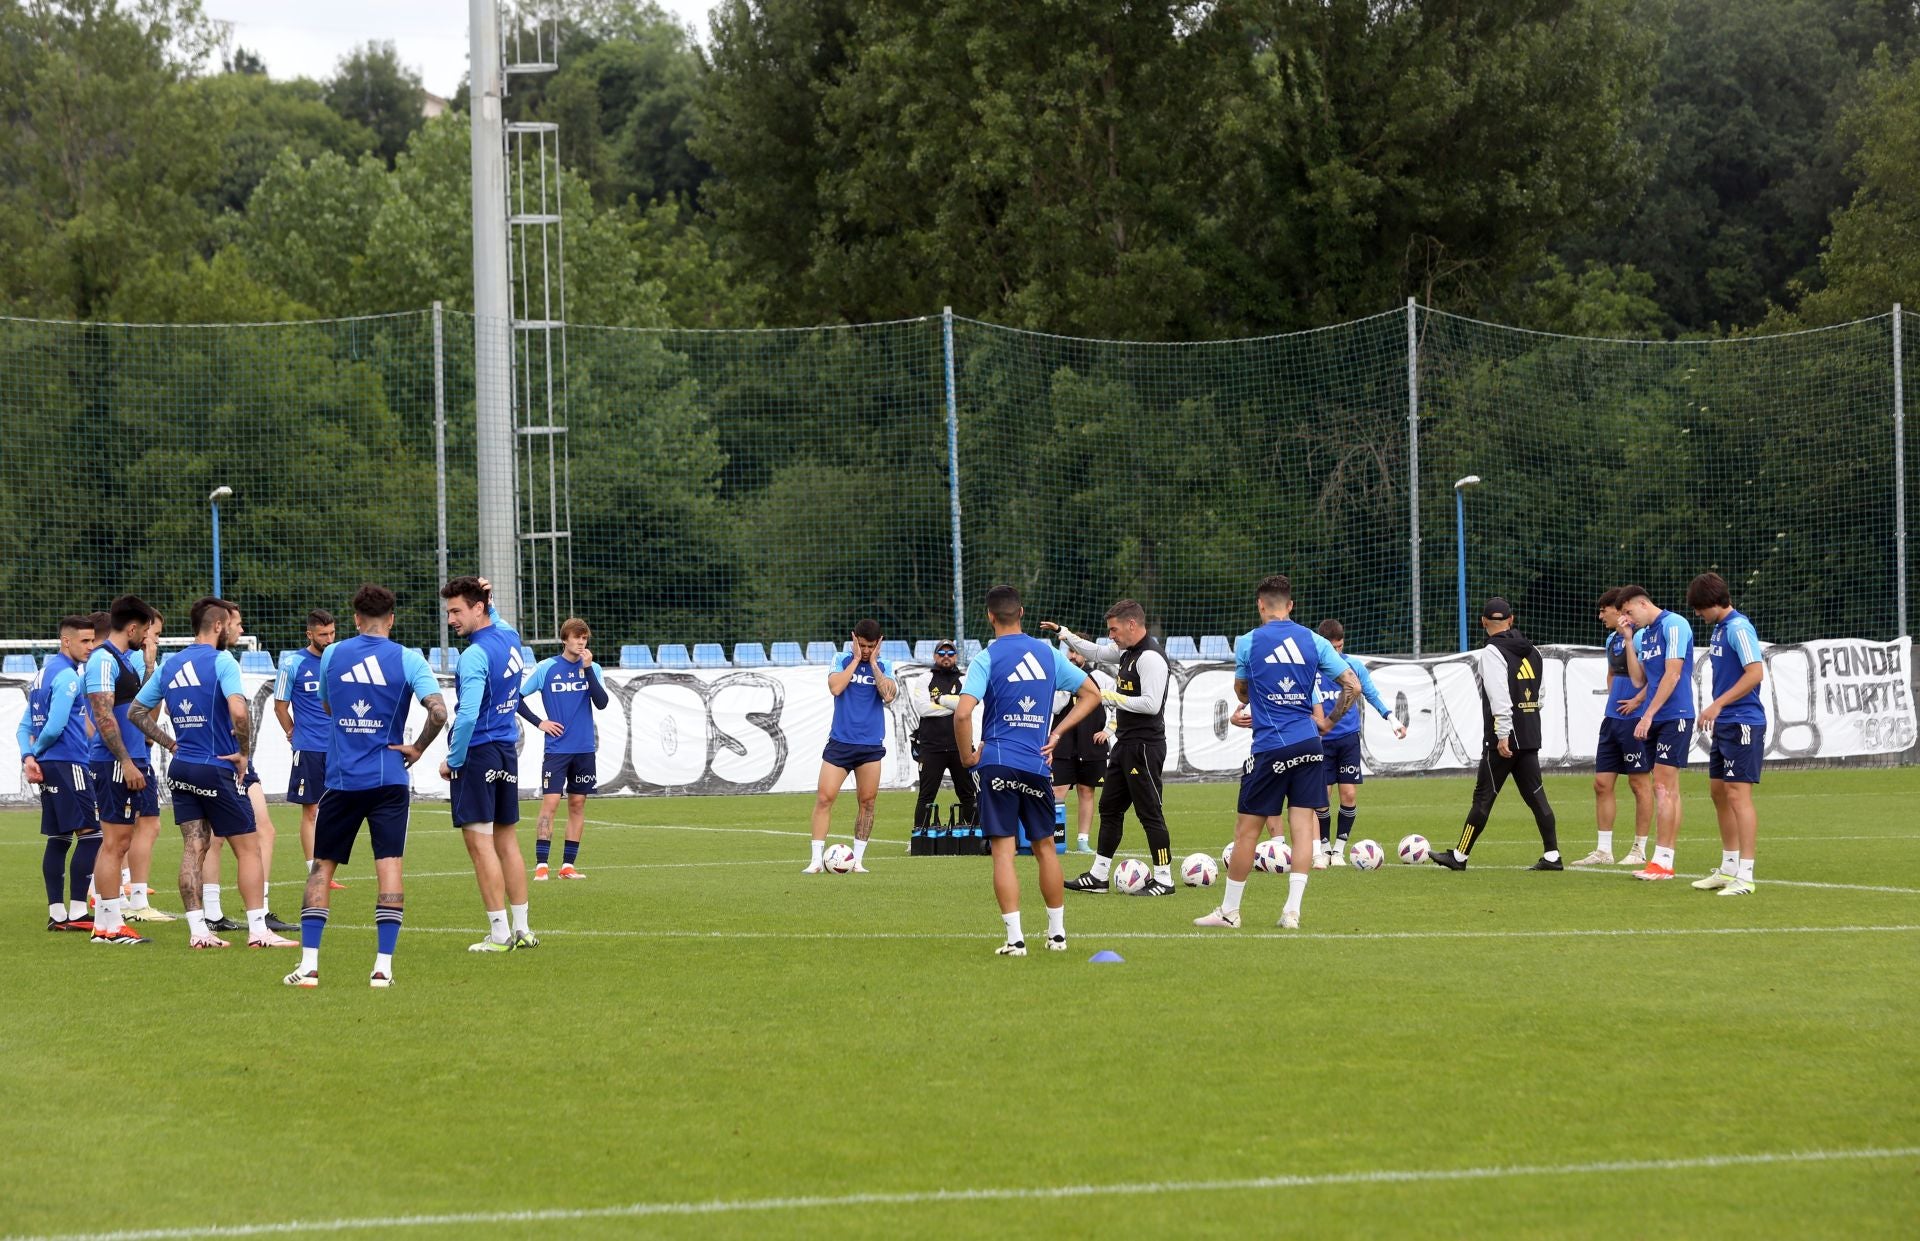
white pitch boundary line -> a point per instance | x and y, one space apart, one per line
1218 936
1011 1193
600 866
1620 873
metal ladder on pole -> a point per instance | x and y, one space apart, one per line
536 264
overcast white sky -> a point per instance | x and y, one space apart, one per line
304 38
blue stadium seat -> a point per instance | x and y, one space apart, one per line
19 664
785 655
1182 647
421 651
256 661
1216 646
969 648
895 651
674 655
923 650
636 657
749 655
709 655
822 652
443 658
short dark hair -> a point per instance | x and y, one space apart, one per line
1003 604
373 602
1332 630
1627 594
867 630
573 626
102 622
1127 610
1709 590
468 588
1609 598
129 610
204 614
199 610
75 622
319 618
1275 589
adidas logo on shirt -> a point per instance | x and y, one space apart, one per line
184 678
514 664
1028 669
1285 653
366 672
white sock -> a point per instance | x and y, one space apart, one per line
1056 922
210 901
57 913
1013 927
382 963
1640 843
264 889
309 960
1552 855
1296 891
519 913
139 899
126 878
1164 874
1083 840
1746 868
1729 861
859 851
197 924
256 924
310 865
1663 857
1230 903
106 916
1100 867
819 847
1606 842
497 925
76 910
1339 848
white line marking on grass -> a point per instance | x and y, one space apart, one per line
1010 1193
1600 933
600 866
1769 882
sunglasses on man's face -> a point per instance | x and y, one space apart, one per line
945 650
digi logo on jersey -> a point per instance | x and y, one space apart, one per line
565 687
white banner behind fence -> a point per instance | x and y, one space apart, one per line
761 731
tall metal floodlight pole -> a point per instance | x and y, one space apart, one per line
492 318
213 501
1460 540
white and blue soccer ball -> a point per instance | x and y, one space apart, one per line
838 859
1200 870
1414 849
1272 857
1366 855
1131 876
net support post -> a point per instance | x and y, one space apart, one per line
1413 466
440 457
953 477
498 507
1899 479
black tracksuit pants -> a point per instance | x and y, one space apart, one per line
1133 782
936 765
1524 767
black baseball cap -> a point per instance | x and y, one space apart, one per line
946 646
1497 609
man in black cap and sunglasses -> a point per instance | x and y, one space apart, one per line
1510 673
933 737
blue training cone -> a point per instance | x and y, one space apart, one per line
1106 956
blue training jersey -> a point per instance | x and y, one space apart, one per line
299 685
488 677
367 685
55 724
570 692
1015 679
196 683
105 668
1327 693
1670 637
1281 663
1733 647
859 717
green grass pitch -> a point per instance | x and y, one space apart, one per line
709 1044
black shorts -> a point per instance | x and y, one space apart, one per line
210 793
486 788
66 799
342 811
307 783
1011 801
1088 769
116 802
1291 776
568 773
1343 759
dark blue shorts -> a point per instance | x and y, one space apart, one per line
1343 759
1670 742
250 779
1619 751
66 799
568 773
119 804
487 788
1294 775
308 780
212 793
852 757
1011 800
1737 750
342 811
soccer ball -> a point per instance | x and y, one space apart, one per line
1413 849
1366 855
1272 856
838 859
1226 857
1199 870
1131 876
